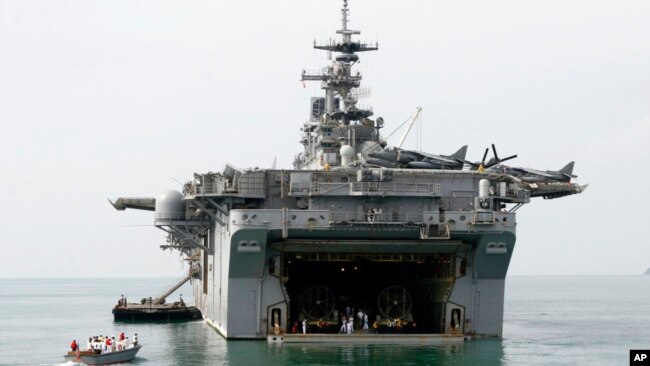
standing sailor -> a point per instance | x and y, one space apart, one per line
120 343
107 345
304 326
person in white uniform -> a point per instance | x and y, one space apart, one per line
304 326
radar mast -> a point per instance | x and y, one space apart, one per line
337 119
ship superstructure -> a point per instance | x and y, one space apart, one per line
336 119
409 239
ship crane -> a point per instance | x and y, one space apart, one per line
411 120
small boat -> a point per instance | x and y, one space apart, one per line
92 358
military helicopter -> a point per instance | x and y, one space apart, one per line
527 175
482 165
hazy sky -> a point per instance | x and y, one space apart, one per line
101 99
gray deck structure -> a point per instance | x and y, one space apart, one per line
421 251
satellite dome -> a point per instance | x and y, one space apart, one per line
170 205
347 151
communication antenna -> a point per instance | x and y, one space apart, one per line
177 181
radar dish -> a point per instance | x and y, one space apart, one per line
394 302
317 302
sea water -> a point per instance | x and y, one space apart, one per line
554 320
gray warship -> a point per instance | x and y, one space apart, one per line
419 243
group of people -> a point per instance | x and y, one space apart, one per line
104 344
347 320
122 301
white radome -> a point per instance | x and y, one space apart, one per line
170 204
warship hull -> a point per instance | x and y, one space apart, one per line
377 242
436 271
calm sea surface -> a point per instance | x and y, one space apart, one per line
548 321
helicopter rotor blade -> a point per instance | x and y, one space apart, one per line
494 150
467 162
508 158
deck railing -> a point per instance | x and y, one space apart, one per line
364 187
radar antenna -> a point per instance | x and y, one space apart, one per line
337 119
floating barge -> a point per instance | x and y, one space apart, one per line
156 309
159 312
